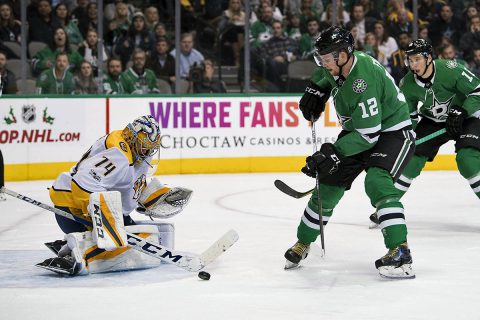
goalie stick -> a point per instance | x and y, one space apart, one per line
189 261
282 186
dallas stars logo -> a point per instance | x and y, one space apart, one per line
359 85
440 109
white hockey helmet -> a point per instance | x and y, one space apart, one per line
143 137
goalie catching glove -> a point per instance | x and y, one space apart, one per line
161 201
313 102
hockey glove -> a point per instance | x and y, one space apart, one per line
325 161
313 102
454 123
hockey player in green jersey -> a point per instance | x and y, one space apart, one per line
449 95
376 137
445 95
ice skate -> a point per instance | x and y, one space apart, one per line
56 246
374 223
63 265
396 264
295 254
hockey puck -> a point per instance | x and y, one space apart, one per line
204 275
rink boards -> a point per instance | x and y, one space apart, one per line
41 137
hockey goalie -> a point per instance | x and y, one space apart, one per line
100 191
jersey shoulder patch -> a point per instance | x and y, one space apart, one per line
451 64
115 140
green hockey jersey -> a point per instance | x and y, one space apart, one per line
111 86
139 84
48 83
367 103
452 84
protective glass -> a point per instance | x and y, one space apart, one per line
323 60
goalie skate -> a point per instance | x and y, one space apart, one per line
396 264
295 254
55 246
62 265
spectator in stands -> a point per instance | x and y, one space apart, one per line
45 58
10 29
207 83
342 16
293 27
401 25
307 41
138 36
188 55
276 13
399 69
470 12
475 65
295 7
110 11
90 21
363 24
118 26
423 33
279 51
350 26
56 80
79 14
232 27
137 79
89 50
449 51
111 80
386 44
370 10
445 26
162 63
151 17
307 12
471 39
160 31
428 10
62 17
394 7
9 83
42 24
261 30
84 80
371 45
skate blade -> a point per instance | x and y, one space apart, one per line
400 273
53 269
373 225
55 246
290 265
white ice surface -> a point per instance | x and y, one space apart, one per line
248 281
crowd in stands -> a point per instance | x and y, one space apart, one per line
138 48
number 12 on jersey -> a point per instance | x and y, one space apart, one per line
371 109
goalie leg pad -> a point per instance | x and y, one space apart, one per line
166 232
105 208
98 260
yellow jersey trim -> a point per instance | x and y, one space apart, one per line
115 140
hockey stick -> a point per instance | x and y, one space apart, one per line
282 186
317 186
185 260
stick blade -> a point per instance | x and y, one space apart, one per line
219 247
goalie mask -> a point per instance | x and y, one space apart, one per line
143 137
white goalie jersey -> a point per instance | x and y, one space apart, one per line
107 166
